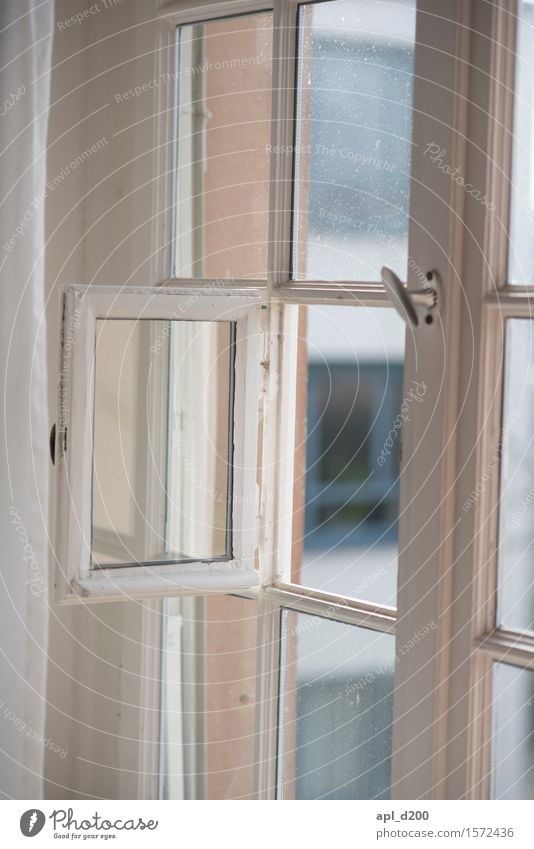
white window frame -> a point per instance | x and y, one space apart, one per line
415 766
477 644
76 578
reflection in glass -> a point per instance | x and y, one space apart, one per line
162 433
513 743
516 540
208 698
521 246
348 435
336 710
353 142
224 81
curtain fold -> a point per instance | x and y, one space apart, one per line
26 28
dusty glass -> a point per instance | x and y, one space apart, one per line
336 710
353 139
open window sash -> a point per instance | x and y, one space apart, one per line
156 471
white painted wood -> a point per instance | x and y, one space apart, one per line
338 294
165 153
479 339
270 521
508 647
511 302
75 577
234 285
426 521
282 140
343 292
330 606
280 454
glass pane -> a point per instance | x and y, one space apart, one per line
336 710
516 542
353 140
346 501
208 699
223 133
162 427
521 245
513 742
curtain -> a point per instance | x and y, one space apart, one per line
26 28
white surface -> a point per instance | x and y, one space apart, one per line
75 577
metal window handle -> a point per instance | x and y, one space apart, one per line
407 301
52 444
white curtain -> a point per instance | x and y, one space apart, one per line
26 28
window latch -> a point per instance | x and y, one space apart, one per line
411 303
52 444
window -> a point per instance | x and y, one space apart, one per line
353 139
336 710
349 450
158 491
353 479
222 187
209 698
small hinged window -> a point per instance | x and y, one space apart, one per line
157 480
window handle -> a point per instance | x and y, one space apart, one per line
407 301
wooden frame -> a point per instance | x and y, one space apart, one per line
424 758
76 578
476 644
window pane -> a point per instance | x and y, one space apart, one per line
336 710
513 745
349 379
516 548
353 139
208 698
162 426
223 135
521 246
